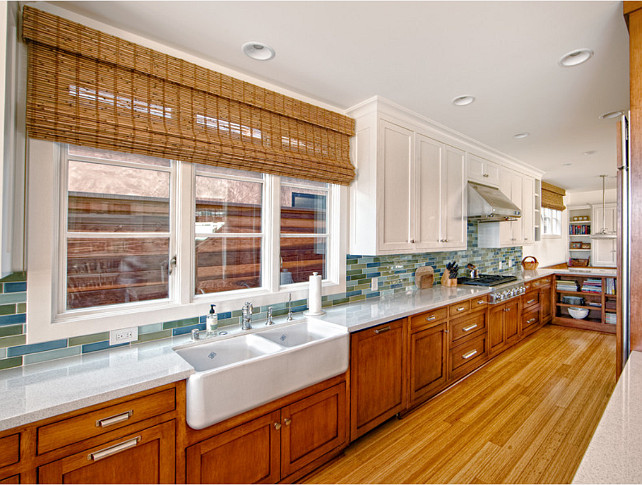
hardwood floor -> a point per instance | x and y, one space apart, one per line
526 417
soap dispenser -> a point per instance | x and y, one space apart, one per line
211 321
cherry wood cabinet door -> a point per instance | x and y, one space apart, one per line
147 456
248 453
376 376
511 321
313 427
11 479
428 362
496 331
546 306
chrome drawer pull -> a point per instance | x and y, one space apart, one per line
384 329
469 327
481 302
468 355
112 450
461 309
431 318
531 301
528 322
119 418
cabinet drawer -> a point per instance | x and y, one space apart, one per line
530 299
10 450
465 327
460 308
432 316
468 352
479 302
541 283
530 318
78 428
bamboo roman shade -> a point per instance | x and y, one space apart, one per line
553 197
90 88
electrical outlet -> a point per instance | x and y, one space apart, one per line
510 263
123 335
501 265
374 284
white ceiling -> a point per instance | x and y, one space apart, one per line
423 54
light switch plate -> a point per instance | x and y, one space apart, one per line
123 335
374 284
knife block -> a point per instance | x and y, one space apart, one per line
446 280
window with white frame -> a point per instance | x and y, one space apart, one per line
551 222
141 240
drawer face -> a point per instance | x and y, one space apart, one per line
530 318
432 316
459 308
466 326
479 302
541 283
468 352
71 430
10 449
531 298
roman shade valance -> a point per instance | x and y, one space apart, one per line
89 88
553 197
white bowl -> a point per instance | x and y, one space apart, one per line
578 313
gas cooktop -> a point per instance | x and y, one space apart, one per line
486 280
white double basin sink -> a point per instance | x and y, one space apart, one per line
238 373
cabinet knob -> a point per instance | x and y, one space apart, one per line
287 421
412 241
277 426
485 175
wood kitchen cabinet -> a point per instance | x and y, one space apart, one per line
503 325
146 456
428 360
279 441
377 371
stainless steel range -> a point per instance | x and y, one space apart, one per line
503 287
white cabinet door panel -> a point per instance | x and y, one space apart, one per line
428 188
396 166
453 183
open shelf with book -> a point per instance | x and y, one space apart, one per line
591 294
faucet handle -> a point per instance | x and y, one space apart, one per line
269 316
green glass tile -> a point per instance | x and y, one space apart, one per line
13 277
13 340
8 309
18 297
186 322
237 313
12 362
88 339
51 355
357 298
9 330
340 301
352 261
353 272
146 337
21 308
153 328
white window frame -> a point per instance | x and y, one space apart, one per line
46 203
552 235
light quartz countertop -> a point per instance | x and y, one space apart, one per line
34 392
613 455
39 391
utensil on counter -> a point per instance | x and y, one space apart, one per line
424 277
474 272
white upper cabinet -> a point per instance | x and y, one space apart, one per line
482 171
528 210
409 197
604 250
603 218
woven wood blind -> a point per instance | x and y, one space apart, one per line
553 197
90 88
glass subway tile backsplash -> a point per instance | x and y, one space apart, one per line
395 273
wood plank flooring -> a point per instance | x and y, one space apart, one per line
526 417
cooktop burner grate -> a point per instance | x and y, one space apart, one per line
486 280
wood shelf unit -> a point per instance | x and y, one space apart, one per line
596 319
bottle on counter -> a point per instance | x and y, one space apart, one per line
211 320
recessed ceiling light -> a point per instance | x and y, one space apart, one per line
611 115
576 57
463 100
258 51
519 136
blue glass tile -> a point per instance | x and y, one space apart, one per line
348 294
300 308
33 348
188 329
373 275
100 346
15 287
373 265
13 319
372 295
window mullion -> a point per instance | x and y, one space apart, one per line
271 229
185 276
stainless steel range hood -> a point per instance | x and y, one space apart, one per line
488 204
